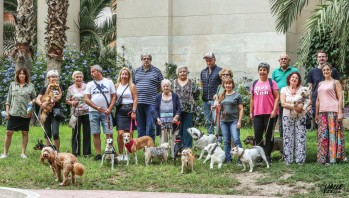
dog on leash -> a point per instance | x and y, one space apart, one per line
109 153
52 91
188 160
133 145
160 152
65 162
40 145
201 140
216 154
249 156
178 147
278 144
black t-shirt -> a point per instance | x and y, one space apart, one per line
57 104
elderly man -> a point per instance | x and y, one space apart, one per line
100 95
280 77
147 79
315 76
210 81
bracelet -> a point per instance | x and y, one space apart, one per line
133 111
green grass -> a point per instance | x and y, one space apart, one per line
309 178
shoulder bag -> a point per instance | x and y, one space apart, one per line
113 117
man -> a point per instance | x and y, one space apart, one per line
147 79
210 81
100 95
280 77
315 76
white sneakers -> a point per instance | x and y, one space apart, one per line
23 156
3 156
121 157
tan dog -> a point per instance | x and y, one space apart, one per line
62 161
132 145
188 160
52 91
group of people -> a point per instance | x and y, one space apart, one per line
141 105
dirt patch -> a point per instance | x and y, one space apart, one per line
249 185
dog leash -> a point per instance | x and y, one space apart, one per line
265 133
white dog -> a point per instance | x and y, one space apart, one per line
249 155
216 154
109 153
303 97
201 140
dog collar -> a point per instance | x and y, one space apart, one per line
241 153
110 152
214 148
201 134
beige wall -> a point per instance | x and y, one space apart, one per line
1 29
73 34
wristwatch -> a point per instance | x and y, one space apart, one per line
133 111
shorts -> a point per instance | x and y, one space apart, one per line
97 120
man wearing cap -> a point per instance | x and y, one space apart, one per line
147 79
100 96
210 81
280 77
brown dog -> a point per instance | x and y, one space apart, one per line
52 91
132 145
188 160
278 144
62 161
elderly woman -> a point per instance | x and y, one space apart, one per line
51 124
127 92
264 104
21 92
168 111
188 92
293 121
75 98
329 116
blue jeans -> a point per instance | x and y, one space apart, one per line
209 117
146 120
186 122
229 131
98 119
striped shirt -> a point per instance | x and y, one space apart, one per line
147 84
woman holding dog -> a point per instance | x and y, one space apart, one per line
293 121
264 104
126 115
231 113
21 92
75 98
329 116
188 93
51 124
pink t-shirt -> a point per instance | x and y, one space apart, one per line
327 97
263 97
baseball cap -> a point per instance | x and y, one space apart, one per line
209 55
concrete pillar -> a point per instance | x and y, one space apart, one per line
1 27
73 34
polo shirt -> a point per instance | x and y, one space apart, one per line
210 82
280 76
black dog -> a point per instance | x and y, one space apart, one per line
39 146
178 147
278 144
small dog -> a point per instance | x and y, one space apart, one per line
216 154
52 91
201 140
249 155
132 145
302 98
62 161
178 147
39 146
278 144
188 160
109 153
160 152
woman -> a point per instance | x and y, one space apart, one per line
293 121
75 98
127 112
329 116
188 93
263 107
231 113
51 124
168 111
21 92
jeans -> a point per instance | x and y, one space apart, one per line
98 119
186 122
146 120
230 131
209 117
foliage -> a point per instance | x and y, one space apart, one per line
243 86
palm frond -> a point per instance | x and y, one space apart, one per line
108 30
10 6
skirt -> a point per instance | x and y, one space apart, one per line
16 123
123 117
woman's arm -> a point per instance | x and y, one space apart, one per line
241 115
276 103
251 107
135 100
339 93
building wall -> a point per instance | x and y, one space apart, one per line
1 29
241 33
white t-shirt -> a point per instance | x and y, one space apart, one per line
107 86
289 99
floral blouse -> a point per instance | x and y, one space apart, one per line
187 95
78 94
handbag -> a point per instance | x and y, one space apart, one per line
118 102
72 120
58 114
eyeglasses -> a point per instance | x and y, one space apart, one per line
283 59
146 58
225 74
54 76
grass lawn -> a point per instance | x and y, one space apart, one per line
308 180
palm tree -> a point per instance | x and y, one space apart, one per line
329 17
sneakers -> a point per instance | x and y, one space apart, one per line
3 156
98 157
23 156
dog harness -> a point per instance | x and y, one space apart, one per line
201 134
129 145
214 148
110 152
243 150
